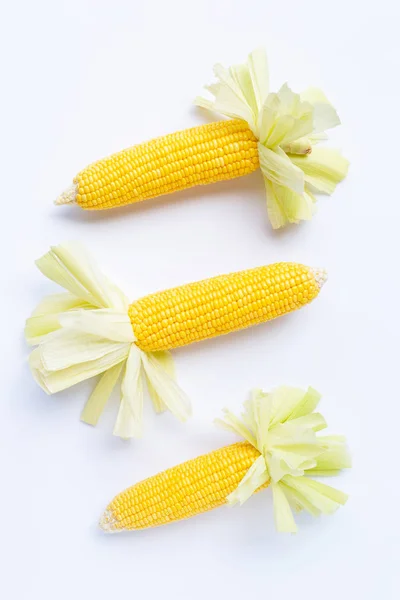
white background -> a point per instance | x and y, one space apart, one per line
84 78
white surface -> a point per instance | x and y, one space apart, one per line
82 79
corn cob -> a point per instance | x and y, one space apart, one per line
220 305
93 329
201 155
188 489
211 480
277 132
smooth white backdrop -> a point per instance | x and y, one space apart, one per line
84 78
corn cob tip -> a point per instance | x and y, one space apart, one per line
320 276
107 522
68 196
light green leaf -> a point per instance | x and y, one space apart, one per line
304 445
241 75
259 73
294 119
306 405
285 206
301 128
235 425
166 363
280 130
297 500
334 458
45 317
67 347
323 169
204 103
282 463
100 395
71 266
284 520
315 421
241 90
129 421
267 117
166 388
325 116
276 212
213 88
323 497
55 381
284 400
255 477
53 268
58 303
105 323
230 100
277 168
38 328
261 410
37 370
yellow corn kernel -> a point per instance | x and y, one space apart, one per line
200 155
186 490
220 305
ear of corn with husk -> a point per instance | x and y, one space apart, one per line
277 132
281 450
93 330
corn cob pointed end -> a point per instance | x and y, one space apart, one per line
108 522
320 276
67 197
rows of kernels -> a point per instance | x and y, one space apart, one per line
186 490
217 306
177 161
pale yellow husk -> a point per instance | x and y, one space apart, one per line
87 332
283 426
